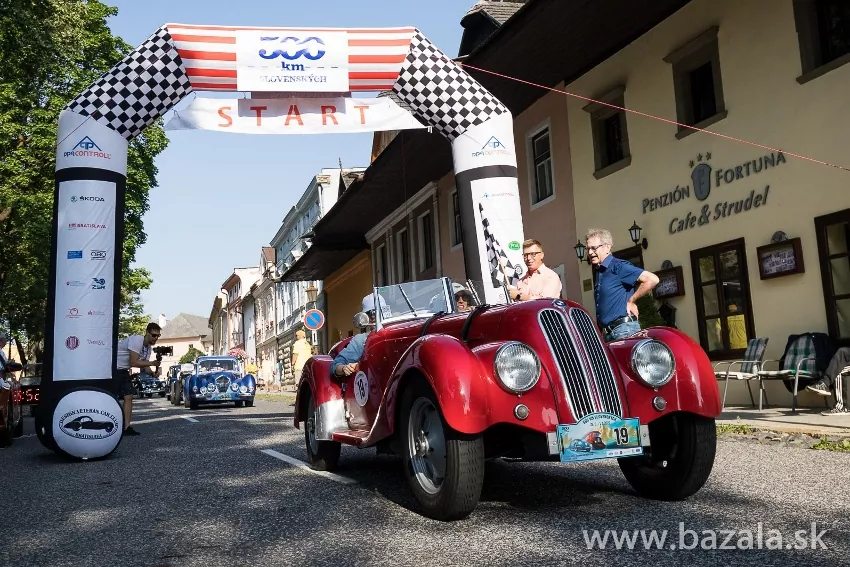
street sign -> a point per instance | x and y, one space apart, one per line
314 319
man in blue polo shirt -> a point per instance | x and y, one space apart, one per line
615 293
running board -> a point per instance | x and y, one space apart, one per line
351 436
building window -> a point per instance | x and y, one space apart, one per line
833 236
191 346
541 152
426 242
610 137
722 293
457 227
381 276
697 82
823 31
403 254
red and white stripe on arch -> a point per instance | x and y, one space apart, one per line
209 54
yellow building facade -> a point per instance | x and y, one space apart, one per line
714 210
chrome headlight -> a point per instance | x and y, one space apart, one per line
517 367
243 389
653 362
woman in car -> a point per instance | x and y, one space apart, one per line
464 301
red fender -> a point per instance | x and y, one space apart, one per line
693 388
317 377
457 377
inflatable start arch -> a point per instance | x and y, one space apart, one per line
79 414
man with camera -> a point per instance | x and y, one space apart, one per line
135 352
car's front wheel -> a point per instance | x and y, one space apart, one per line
444 468
680 458
322 455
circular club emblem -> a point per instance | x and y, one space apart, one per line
87 424
72 343
361 388
73 199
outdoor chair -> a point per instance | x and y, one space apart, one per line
749 367
799 363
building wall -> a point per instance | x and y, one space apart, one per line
760 60
344 292
553 220
451 255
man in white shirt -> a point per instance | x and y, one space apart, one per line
134 352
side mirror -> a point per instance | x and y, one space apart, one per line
14 366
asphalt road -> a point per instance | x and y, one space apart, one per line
205 494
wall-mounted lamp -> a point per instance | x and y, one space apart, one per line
634 232
580 250
312 292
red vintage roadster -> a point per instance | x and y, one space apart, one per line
448 390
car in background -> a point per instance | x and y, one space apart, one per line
11 414
178 384
147 385
171 377
218 379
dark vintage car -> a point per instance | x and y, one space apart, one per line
448 390
171 377
148 385
11 414
178 384
218 379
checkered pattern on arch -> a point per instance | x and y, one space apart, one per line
496 253
139 89
442 94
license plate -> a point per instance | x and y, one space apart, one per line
599 436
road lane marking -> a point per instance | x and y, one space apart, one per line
306 467
192 419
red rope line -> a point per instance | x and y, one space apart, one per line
553 89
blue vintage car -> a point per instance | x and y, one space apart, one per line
218 379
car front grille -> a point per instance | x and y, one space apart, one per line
585 371
222 383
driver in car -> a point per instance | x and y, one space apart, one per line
348 359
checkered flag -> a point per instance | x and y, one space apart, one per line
139 89
495 253
441 93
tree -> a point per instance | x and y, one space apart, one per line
648 314
52 51
190 356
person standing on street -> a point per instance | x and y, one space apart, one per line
301 351
615 294
134 352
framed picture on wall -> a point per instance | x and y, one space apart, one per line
780 259
671 283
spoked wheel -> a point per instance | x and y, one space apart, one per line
322 455
445 469
679 461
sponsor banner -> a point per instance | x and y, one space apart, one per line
84 280
89 144
88 424
334 115
80 353
292 60
499 234
489 143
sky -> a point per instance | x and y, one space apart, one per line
221 197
